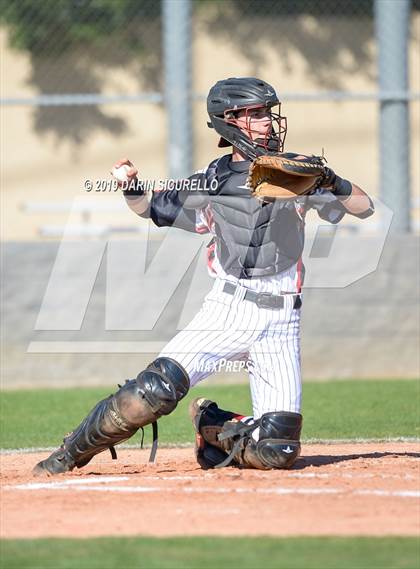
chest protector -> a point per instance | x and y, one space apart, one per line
253 238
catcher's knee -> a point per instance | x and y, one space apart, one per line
278 445
155 392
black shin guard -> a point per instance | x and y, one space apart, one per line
140 402
278 444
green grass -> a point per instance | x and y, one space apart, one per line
332 410
344 409
206 553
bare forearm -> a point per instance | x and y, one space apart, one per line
138 204
358 202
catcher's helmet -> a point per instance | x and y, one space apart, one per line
237 93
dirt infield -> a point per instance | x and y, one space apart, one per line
347 489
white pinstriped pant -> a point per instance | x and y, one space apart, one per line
228 327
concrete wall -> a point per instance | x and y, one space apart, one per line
369 329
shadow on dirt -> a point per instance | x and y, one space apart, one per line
323 460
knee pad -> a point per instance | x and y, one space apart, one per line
174 373
278 445
155 392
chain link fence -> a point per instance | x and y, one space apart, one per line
73 44
331 38
129 75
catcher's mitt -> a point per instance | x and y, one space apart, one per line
285 176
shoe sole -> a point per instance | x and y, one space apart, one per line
196 408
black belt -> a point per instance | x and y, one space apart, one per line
263 299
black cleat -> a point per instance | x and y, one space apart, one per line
208 421
57 463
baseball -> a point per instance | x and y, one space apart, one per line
121 173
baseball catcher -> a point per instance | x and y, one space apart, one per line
252 202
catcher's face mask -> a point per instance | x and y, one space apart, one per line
267 129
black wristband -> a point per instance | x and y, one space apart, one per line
135 189
342 187
328 178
